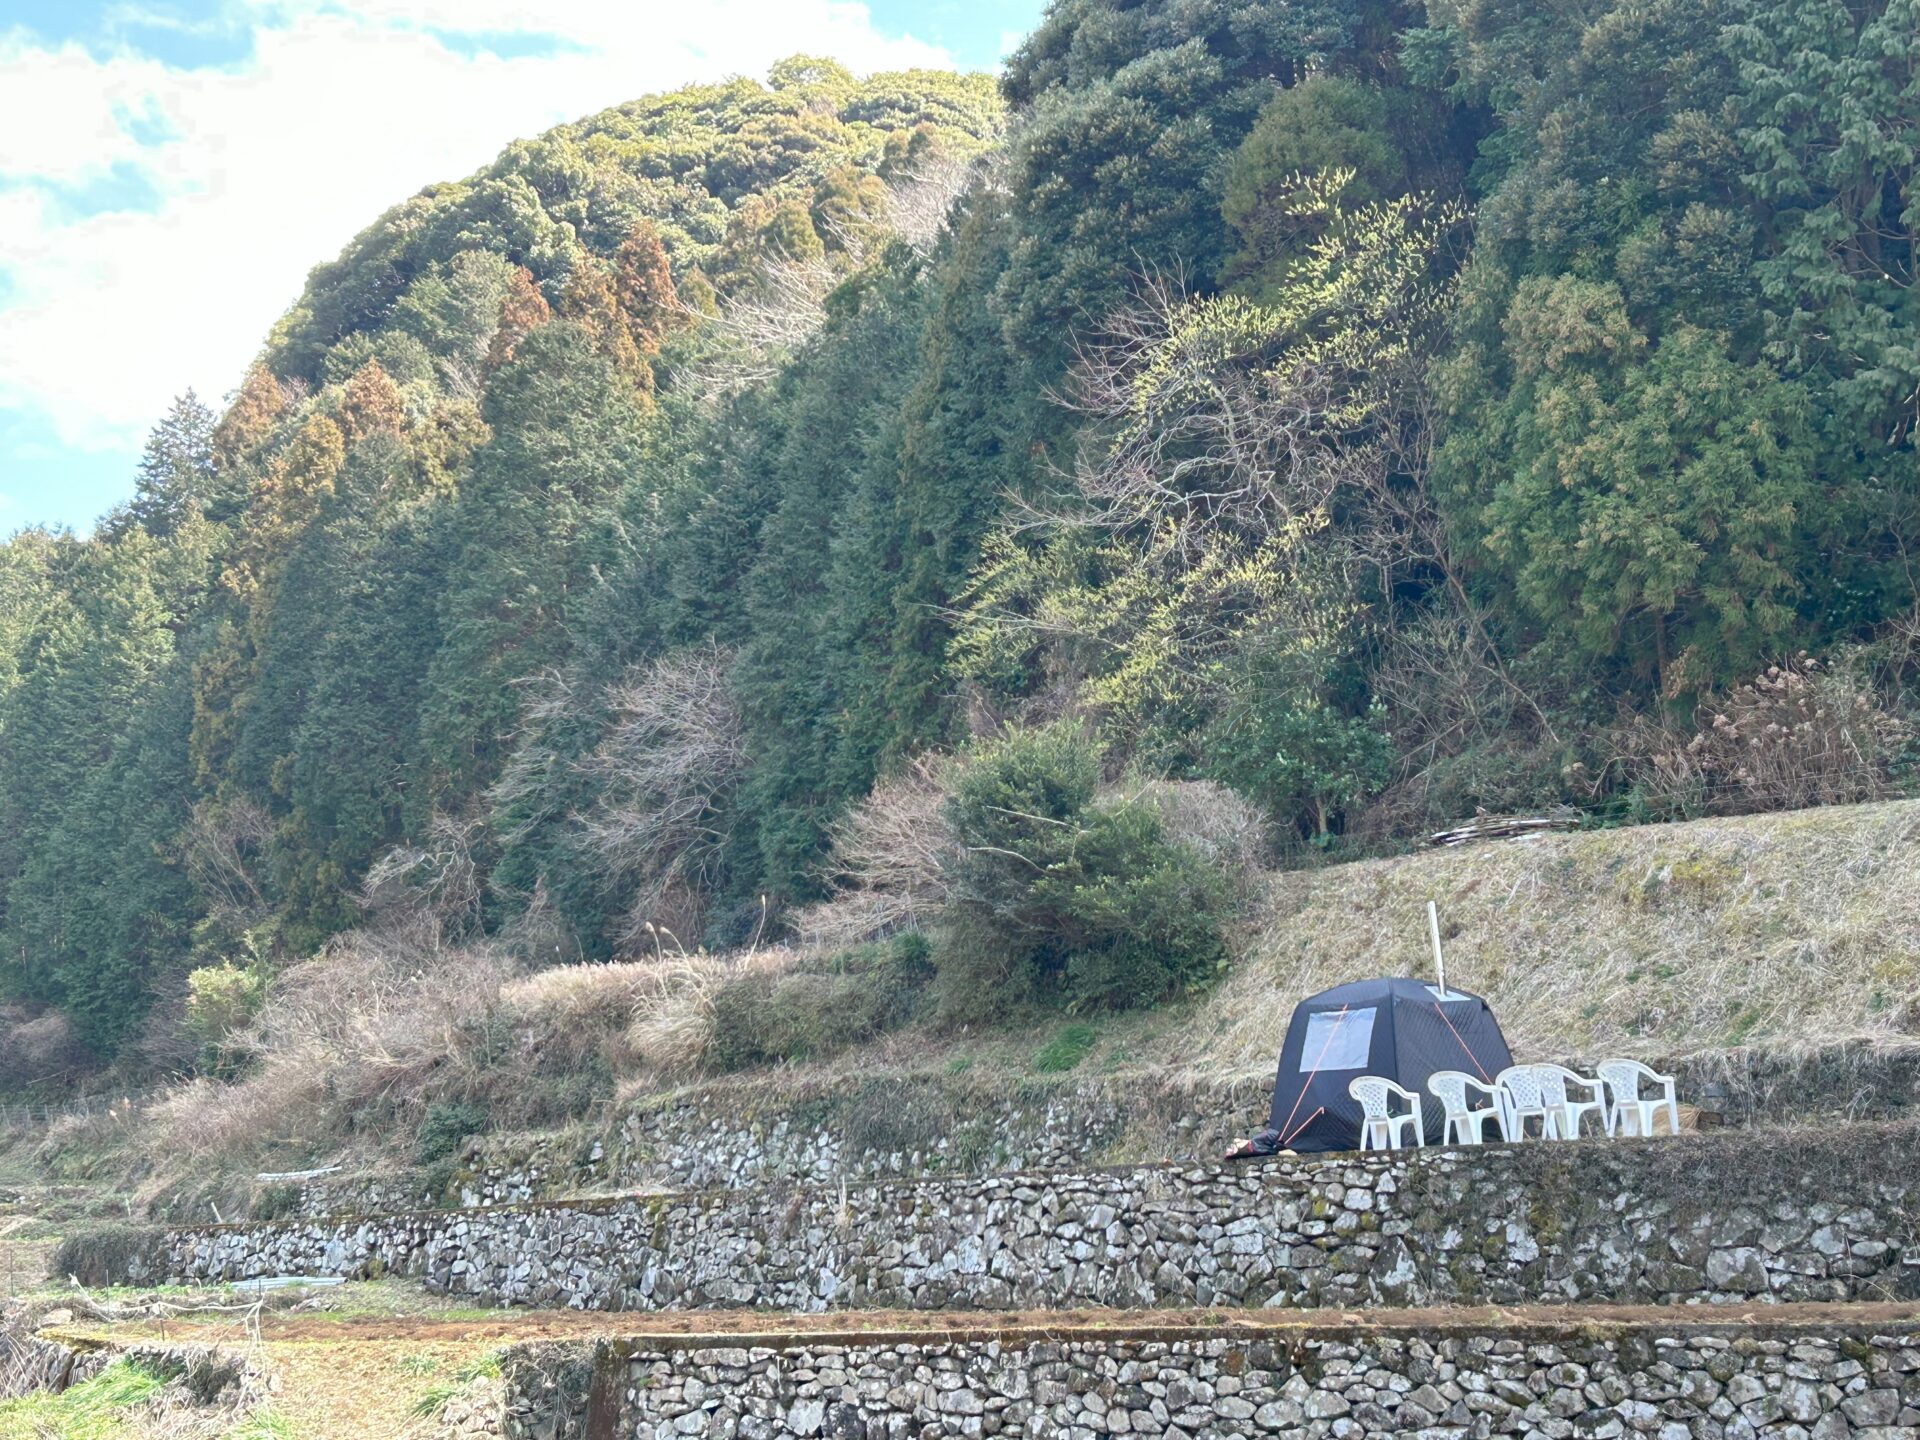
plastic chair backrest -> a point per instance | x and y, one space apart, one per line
1622 1077
1371 1092
1523 1085
1553 1083
1449 1087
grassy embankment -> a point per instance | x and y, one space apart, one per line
1786 931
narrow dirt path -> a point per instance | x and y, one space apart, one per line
734 1327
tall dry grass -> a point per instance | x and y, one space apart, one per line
1791 930
352 1050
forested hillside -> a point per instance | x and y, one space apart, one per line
840 509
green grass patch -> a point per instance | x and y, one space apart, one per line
97 1409
482 1367
263 1425
1072 1044
391 1298
437 1396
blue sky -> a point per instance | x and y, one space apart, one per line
170 169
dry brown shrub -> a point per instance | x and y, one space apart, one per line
1436 684
1466 738
205 1121
37 1047
352 1050
889 859
672 1028
588 1008
539 935
366 1034
438 876
1230 833
1796 736
385 1006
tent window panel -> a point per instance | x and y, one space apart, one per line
1337 1040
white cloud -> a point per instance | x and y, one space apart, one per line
271 167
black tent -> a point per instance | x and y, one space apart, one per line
1402 1029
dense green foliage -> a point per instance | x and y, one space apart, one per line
1382 407
1060 893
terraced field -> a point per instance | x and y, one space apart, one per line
1760 1279
940 1249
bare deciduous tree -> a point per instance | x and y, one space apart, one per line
436 876
222 845
665 769
890 857
920 200
757 326
1217 419
1195 426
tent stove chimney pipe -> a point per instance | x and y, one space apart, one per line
1439 960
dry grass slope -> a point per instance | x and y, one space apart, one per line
1791 930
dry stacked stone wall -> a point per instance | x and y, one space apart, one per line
748 1133
1806 1216
29 1365
1662 1382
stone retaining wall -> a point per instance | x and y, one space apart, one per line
30 1365
1671 1382
739 1133
1808 1216
863 1128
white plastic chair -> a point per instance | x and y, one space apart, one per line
1466 1124
1629 1113
1380 1128
1554 1080
1524 1100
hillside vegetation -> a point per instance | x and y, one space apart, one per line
776 566
1783 933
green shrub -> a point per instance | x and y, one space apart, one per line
220 1000
110 1254
445 1126
1072 1044
1059 897
845 999
277 1202
1302 758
